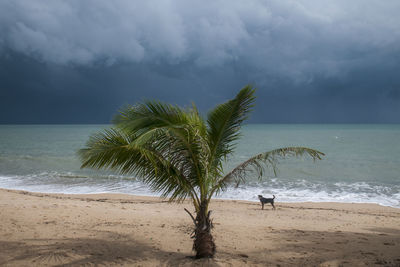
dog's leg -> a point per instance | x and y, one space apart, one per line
262 205
273 206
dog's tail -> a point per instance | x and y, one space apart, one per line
273 196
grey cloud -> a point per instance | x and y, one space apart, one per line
296 37
313 61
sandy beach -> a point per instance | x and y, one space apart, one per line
38 229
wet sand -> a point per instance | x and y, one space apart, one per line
39 229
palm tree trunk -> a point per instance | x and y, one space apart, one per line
203 240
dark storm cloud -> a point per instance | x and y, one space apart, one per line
313 61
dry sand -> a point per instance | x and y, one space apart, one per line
68 230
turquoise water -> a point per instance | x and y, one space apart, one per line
362 163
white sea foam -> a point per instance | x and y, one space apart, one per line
300 191
300 194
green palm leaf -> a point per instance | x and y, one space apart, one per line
224 123
184 126
259 162
161 166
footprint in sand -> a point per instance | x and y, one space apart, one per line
389 244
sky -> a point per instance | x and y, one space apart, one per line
312 61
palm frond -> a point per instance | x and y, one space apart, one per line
185 125
150 115
258 163
105 150
224 123
158 163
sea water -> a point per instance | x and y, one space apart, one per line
362 163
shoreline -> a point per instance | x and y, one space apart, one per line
122 196
120 229
216 198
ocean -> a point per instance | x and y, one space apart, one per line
362 163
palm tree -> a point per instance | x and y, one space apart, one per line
180 154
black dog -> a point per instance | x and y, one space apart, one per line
264 200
